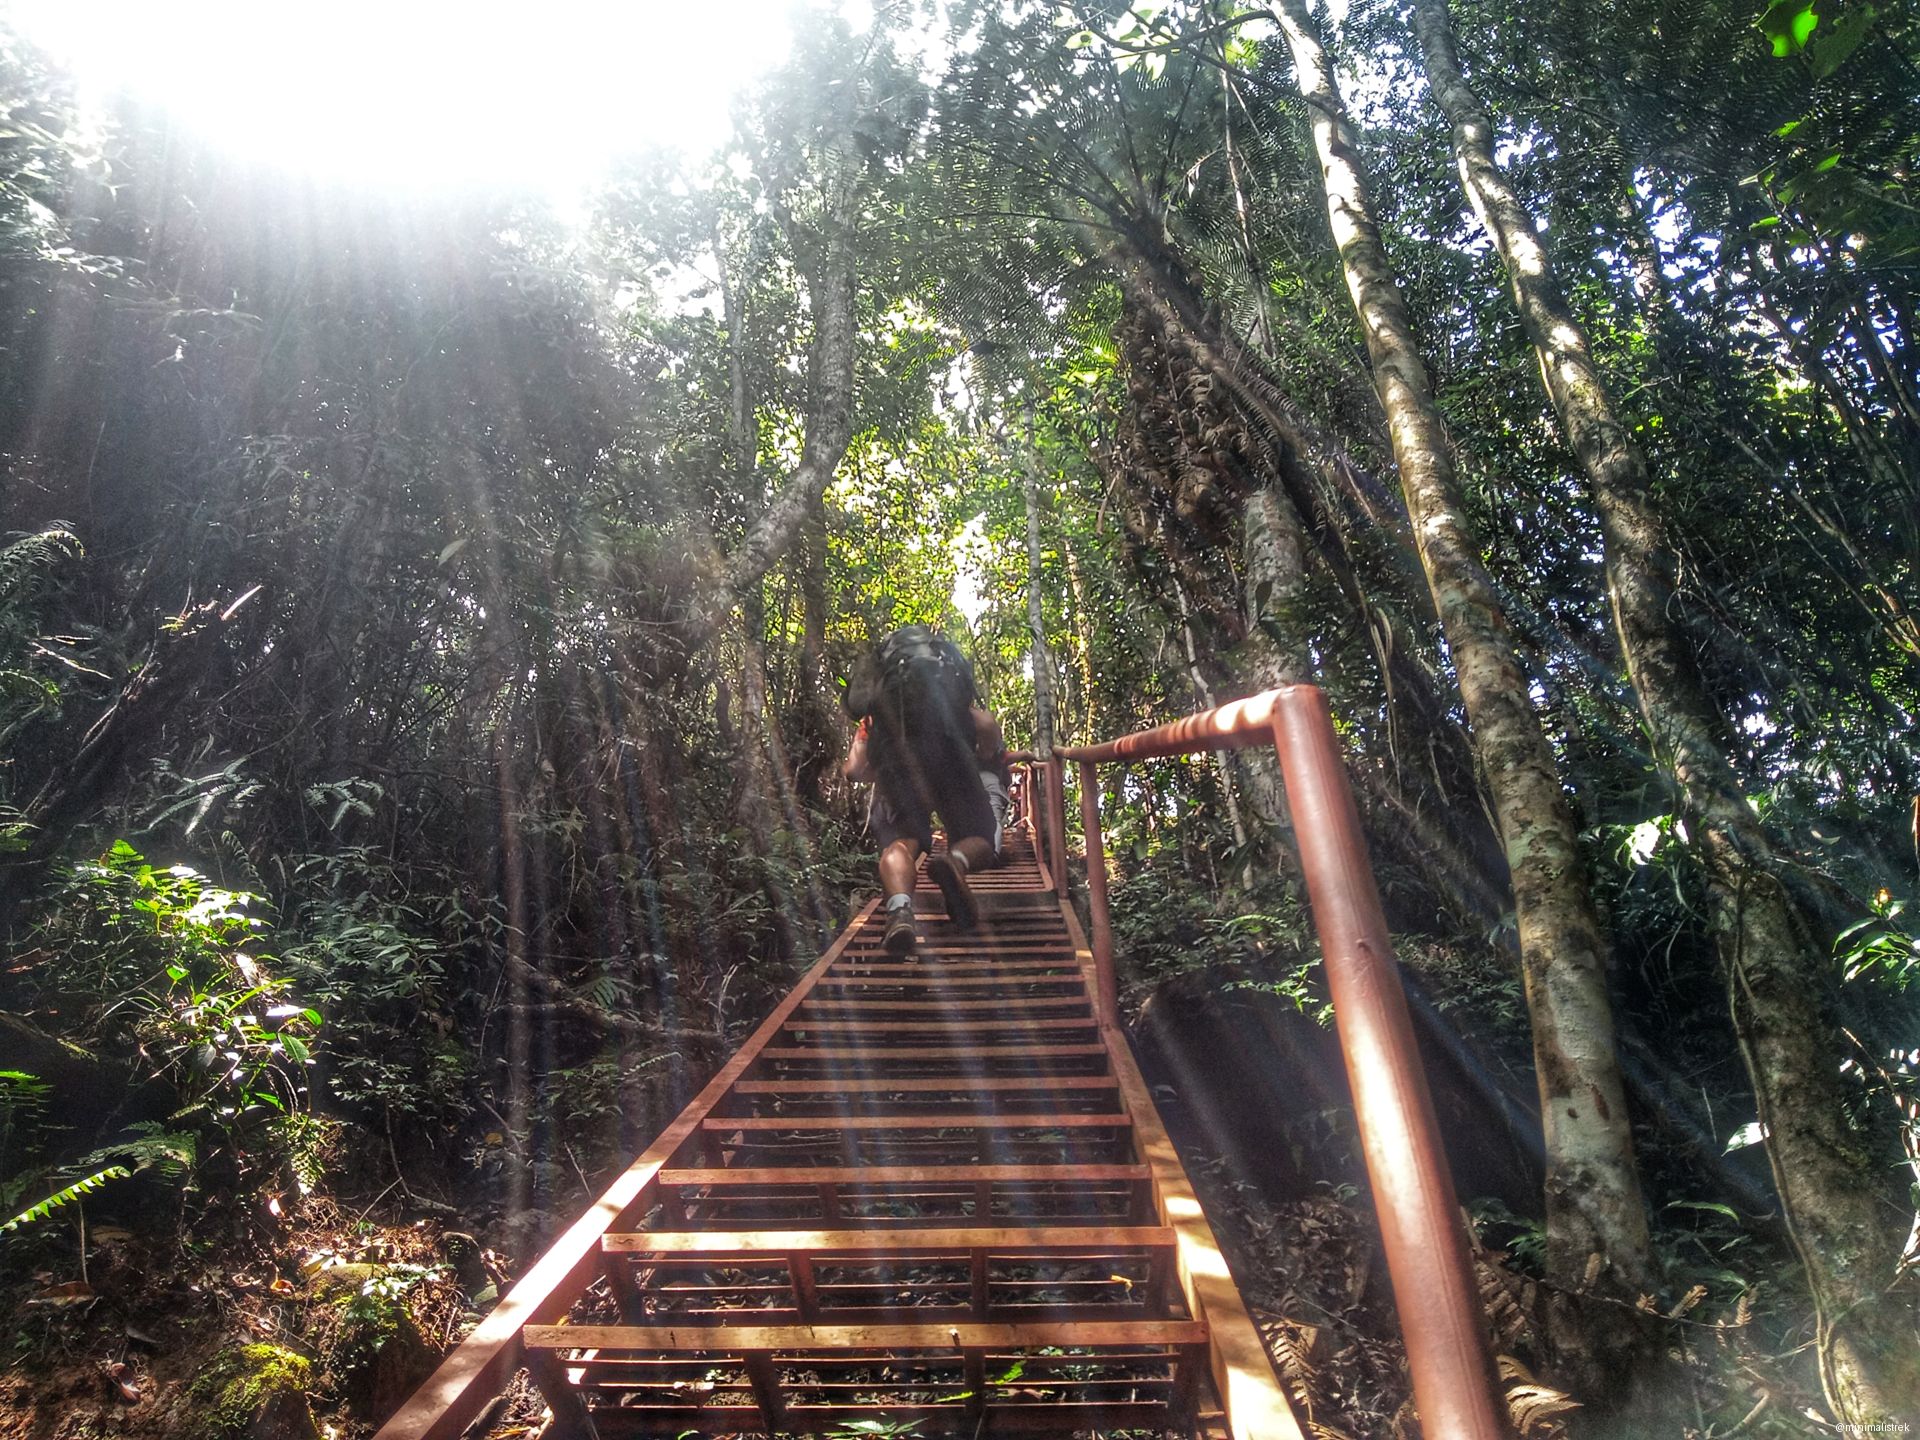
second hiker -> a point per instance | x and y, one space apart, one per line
924 741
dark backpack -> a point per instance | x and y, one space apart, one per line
920 692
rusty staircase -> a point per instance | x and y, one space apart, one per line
930 1196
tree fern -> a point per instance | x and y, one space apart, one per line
28 684
27 559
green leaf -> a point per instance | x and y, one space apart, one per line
1789 24
1752 1133
83 1186
1841 41
1712 1206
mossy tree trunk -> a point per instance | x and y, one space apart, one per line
1594 1202
1779 977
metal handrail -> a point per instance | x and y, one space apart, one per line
1428 1261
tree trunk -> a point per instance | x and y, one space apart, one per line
761 774
1594 1204
1083 643
1043 737
816 746
1204 693
1274 548
1323 505
1778 973
826 259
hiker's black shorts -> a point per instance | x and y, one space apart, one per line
906 798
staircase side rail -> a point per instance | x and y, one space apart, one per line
1425 1240
482 1364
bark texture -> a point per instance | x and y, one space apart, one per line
1043 712
1594 1203
1778 974
825 254
1209 463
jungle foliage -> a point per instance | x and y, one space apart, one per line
419 621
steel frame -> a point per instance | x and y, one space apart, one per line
1436 1297
931 1190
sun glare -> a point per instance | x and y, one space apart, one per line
425 97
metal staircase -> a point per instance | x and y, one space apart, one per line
930 1192
930 1196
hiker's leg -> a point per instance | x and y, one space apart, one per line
968 817
903 829
975 851
898 862
997 802
900 825
898 859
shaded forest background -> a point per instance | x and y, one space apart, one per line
419 625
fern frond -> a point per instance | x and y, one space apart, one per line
155 1147
168 1152
1537 1409
26 558
65 1195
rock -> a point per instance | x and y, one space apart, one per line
343 1282
378 1354
462 1252
253 1392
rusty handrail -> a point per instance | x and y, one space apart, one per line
1233 726
478 1368
1426 1246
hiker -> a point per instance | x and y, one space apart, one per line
924 740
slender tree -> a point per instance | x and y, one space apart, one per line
1043 708
1778 978
1594 1202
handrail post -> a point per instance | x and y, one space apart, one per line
1036 804
1057 824
1106 987
1427 1258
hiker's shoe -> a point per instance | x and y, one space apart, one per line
951 877
901 936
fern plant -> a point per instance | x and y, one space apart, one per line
66 1194
152 1147
159 961
32 665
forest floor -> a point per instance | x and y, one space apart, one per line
351 1311
120 1353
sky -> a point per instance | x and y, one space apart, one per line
423 96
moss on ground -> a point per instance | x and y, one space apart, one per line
253 1392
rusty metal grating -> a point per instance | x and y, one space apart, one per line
929 1192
